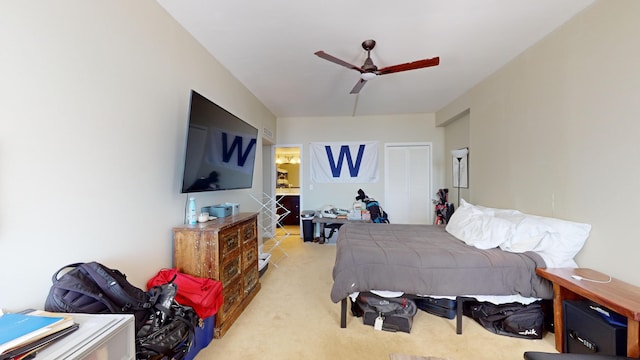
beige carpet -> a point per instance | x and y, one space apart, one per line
412 357
292 317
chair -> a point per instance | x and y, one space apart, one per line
536 355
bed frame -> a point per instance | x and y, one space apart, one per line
426 260
459 305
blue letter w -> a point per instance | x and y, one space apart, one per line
344 152
237 142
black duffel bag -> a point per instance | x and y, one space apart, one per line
390 314
511 319
169 330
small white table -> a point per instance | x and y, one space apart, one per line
102 337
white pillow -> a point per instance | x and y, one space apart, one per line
527 234
556 241
492 232
473 225
564 243
459 224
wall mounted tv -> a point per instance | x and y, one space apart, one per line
221 149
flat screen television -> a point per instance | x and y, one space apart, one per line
221 149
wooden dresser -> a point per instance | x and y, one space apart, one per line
225 249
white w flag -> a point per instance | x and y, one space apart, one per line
339 162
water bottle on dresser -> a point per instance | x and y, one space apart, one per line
192 216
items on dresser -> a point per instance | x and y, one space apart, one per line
220 210
226 250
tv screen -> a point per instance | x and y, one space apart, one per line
221 149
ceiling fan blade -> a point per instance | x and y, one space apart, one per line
409 66
334 59
359 85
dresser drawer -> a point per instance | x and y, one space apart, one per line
249 232
229 242
250 279
232 295
230 270
249 256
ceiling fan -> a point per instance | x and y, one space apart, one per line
369 70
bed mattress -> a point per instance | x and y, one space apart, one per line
426 260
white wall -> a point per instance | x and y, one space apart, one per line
554 133
94 99
383 128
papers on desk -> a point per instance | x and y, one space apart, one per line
22 332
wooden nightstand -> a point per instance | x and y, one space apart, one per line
582 283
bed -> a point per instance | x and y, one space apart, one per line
481 252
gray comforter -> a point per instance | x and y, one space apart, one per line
426 260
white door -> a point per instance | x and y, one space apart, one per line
408 183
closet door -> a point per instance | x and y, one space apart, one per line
408 183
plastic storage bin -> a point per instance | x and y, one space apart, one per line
220 211
101 336
235 207
263 263
203 337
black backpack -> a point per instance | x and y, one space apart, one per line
96 289
163 327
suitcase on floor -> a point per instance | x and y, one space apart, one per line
437 306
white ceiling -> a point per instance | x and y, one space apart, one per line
269 46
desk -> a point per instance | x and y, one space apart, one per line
616 295
337 222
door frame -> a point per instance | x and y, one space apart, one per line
429 165
301 177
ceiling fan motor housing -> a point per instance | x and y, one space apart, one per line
368 65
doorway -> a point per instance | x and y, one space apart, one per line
288 185
408 183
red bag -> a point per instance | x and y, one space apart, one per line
203 295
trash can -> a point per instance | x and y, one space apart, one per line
307 224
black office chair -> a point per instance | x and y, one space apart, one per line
536 355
